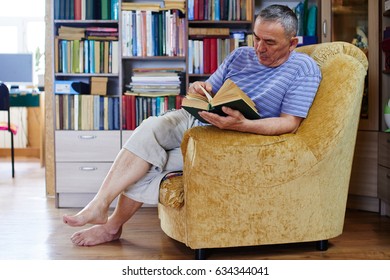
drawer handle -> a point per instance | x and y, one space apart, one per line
88 168
87 137
388 176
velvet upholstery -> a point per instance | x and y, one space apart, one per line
242 189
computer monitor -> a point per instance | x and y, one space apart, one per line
16 69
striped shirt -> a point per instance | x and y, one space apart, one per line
289 88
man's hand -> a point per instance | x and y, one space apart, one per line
233 121
196 88
268 126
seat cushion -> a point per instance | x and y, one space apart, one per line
172 190
4 126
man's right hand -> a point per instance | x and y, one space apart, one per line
196 88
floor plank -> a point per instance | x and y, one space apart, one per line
31 228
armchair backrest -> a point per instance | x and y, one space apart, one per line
336 108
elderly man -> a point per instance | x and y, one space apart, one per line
281 82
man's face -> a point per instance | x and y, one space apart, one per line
272 45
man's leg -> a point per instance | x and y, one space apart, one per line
125 171
111 230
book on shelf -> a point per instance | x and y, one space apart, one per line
195 32
87 112
215 10
86 9
229 95
149 33
136 108
86 56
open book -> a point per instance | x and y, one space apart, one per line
229 95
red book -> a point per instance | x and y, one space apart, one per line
124 112
213 55
201 9
206 55
179 99
77 9
131 112
196 9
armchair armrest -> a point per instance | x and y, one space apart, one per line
264 161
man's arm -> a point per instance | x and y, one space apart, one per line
268 126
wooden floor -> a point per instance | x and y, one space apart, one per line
31 228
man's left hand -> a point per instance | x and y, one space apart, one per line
233 121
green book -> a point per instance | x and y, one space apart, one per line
229 95
106 13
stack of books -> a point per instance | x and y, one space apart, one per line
151 92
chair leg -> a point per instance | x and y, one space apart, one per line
200 254
12 155
322 245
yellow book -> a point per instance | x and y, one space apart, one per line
229 95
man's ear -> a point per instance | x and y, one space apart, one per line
293 43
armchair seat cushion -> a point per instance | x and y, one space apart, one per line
172 190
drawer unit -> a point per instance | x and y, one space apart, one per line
73 146
80 177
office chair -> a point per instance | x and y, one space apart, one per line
5 106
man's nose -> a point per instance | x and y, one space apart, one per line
260 46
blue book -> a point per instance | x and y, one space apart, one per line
134 33
217 10
114 9
116 113
190 9
101 117
91 56
64 51
110 113
86 56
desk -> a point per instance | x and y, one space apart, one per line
35 124
24 99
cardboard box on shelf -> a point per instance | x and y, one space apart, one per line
99 85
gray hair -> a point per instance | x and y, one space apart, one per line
282 14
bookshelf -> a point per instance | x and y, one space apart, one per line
153 59
214 30
86 99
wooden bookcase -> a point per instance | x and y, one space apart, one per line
84 145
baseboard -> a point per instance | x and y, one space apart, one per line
21 152
364 203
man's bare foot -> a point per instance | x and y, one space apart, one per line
93 213
95 235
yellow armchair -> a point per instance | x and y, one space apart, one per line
241 189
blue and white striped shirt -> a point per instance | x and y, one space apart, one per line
289 88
